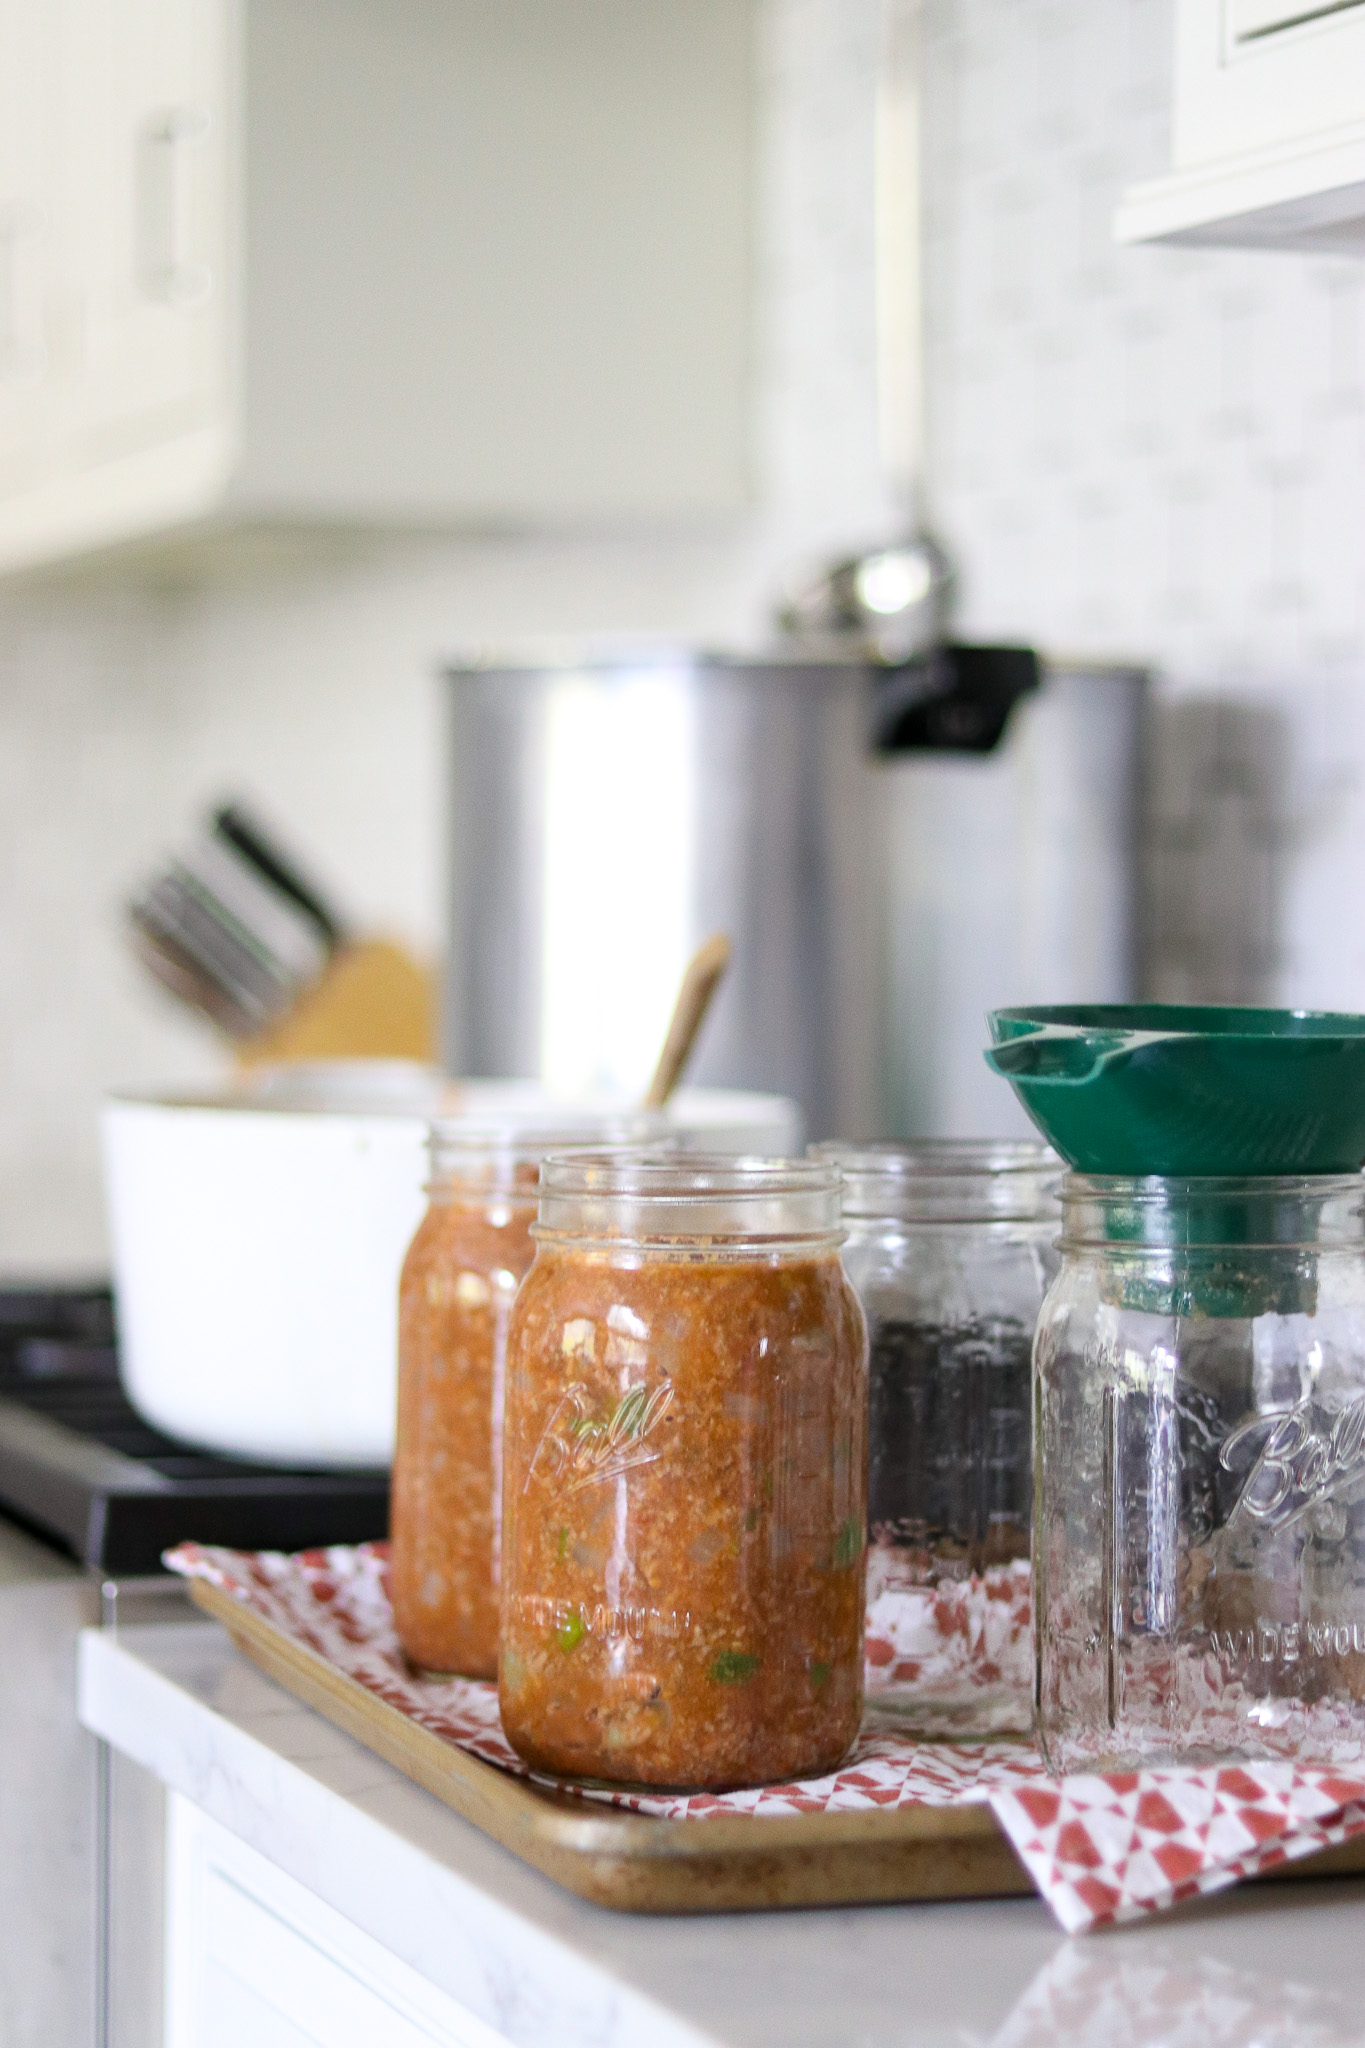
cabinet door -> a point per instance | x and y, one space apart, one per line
1258 74
145 147
27 104
254 1960
1248 18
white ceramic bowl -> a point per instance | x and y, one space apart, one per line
258 1235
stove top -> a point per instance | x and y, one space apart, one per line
79 1465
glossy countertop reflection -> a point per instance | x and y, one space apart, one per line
1266 1965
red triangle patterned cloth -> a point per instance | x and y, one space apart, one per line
1100 1849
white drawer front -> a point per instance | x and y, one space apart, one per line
254 1957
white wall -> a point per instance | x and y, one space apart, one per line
1149 451
1134 447
306 674
1139 453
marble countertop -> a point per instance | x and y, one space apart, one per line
24 1560
1269 1963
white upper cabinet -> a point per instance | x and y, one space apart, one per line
27 51
467 263
1268 129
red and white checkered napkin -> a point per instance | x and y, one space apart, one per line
1099 1850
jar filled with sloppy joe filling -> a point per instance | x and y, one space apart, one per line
459 1280
685 1491
950 1246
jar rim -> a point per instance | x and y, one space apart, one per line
1161 1190
527 1135
931 1157
1213 1214
648 1175
720 1202
980 1181
499 1153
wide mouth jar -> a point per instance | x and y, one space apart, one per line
1199 1508
946 1180
685 1485
689 1204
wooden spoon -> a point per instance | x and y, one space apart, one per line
699 984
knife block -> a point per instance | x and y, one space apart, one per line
372 1001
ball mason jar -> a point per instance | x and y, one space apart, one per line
685 1476
459 1280
1199 1429
950 1245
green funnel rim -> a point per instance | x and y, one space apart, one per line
1177 1020
1186 1089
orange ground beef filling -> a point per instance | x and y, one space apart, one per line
459 1280
685 1496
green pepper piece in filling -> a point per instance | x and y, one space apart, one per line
848 1544
819 1676
733 1667
563 1543
570 1632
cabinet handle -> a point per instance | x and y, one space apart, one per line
22 353
166 270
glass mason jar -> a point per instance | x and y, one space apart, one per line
459 1279
950 1246
685 1489
1200 1439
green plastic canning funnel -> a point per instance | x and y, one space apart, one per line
1163 1088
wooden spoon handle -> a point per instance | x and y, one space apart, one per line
699 984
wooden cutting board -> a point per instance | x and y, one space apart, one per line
639 1863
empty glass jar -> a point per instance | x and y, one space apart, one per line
950 1247
1200 1436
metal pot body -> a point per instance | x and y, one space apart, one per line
607 814
1012 868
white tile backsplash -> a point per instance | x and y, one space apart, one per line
1152 452
1133 450
1141 453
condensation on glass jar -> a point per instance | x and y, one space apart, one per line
1200 1436
460 1277
950 1246
685 1476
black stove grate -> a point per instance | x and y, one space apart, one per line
78 1463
